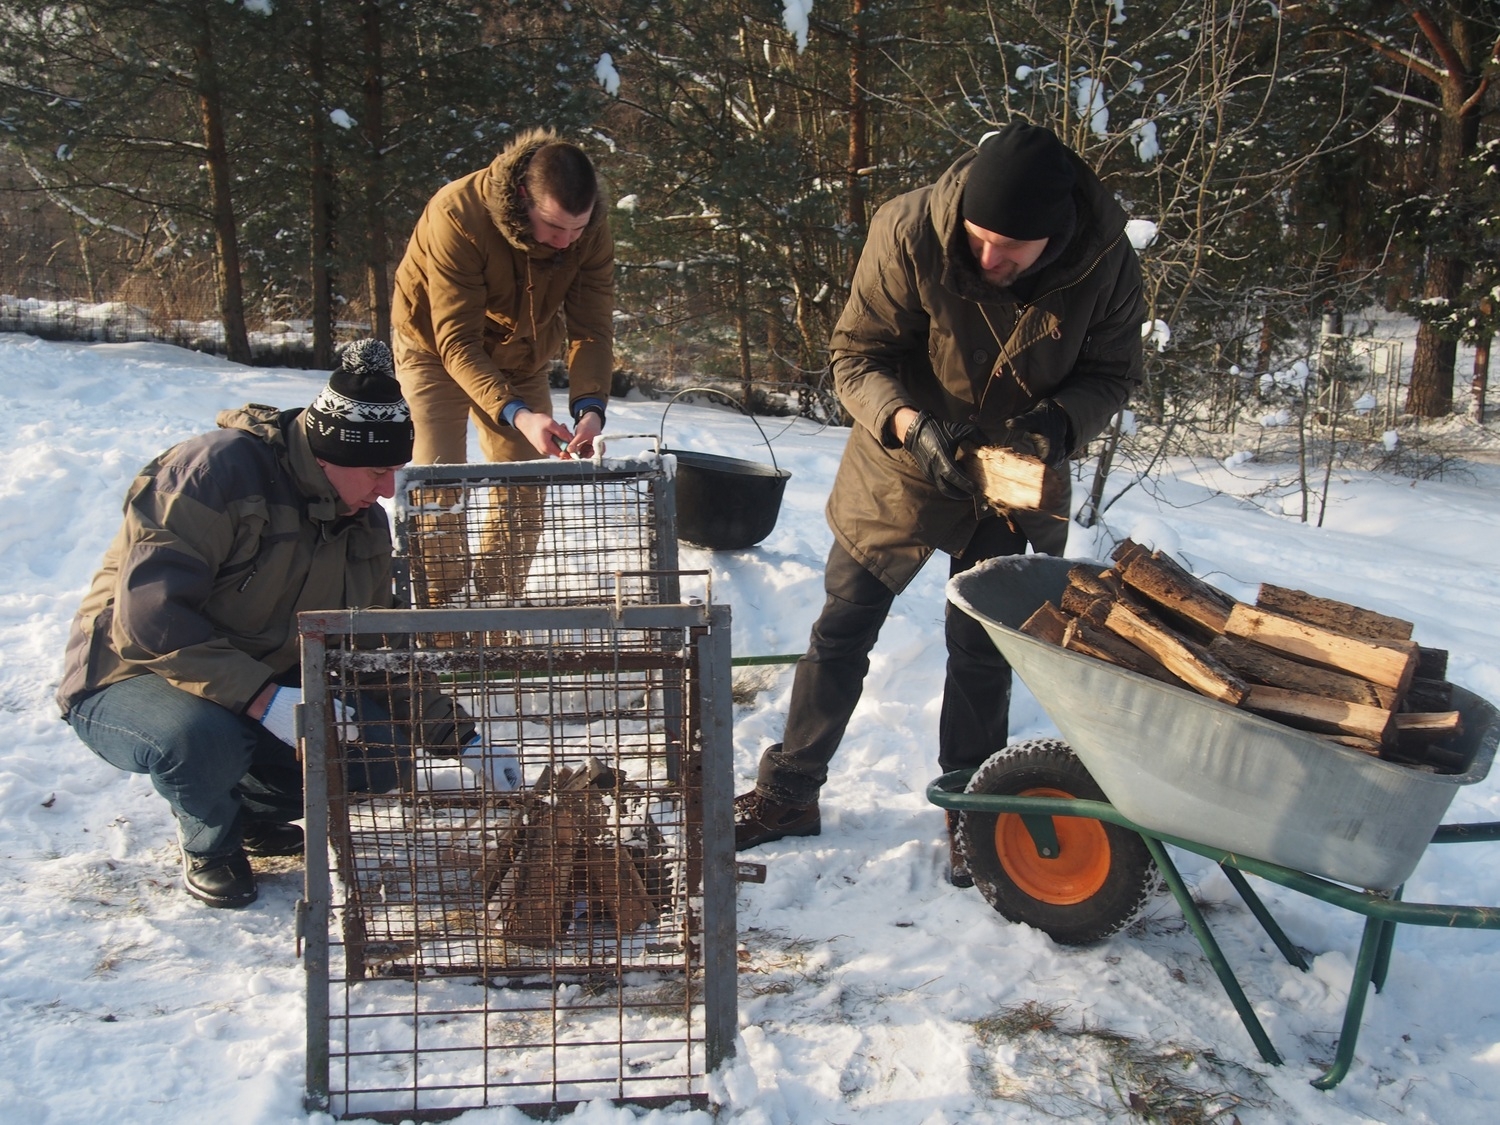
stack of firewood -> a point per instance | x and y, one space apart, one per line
1349 674
561 869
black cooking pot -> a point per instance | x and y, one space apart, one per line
724 503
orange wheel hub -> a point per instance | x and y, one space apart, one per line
1075 874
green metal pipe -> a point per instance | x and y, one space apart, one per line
1210 946
1354 1011
1262 915
755 661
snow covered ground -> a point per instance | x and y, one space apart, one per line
871 990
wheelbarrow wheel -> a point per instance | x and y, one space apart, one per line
1100 880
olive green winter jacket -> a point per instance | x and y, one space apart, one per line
923 329
226 537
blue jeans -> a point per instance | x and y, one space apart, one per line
213 766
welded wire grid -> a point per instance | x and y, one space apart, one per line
519 925
537 533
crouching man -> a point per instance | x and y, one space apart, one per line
182 662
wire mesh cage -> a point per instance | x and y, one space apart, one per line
544 532
520 870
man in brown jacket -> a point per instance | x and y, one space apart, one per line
503 267
1000 305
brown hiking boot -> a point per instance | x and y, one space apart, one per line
759 820
958 864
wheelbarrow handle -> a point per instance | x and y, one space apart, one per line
741 407
1487 830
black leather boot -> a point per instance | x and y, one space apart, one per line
223 880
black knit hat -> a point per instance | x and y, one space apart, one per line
1020 184
360 418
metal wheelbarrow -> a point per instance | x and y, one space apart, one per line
1069 836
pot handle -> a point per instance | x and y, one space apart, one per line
660 434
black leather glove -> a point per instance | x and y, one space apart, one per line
934 446
1042 432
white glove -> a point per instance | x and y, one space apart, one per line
497 765
280 712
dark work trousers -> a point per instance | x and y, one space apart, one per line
215 767
829 679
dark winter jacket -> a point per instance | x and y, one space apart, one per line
495 306
923 329
226 538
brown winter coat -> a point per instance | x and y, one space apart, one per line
226 538
922 329
495 306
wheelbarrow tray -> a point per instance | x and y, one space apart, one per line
1185 765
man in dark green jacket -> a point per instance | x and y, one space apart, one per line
182 662
1000 305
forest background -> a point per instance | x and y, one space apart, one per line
258 164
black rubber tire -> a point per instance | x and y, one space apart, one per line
1128 885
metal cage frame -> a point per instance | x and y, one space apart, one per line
695 684
605 531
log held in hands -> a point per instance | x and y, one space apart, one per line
1010 481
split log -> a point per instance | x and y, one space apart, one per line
1327 716
1432 663
1263 666
1334 616
1127 549
1391 663
1189 662
1446 760
1423 728
1080 636
1429 695
1363 745
1087 586
1008 480
1047 624
1165 583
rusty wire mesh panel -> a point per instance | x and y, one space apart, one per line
537 533
542 920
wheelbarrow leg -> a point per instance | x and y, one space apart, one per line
1383 954
1263 916
1375 943
1211 950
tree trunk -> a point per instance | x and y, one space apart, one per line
742 325
859 131
321 193
211 114
376 247
1431 391
1092 509
1481 384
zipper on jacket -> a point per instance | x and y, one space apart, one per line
1084 275
240 589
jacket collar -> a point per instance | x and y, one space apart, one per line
285 431
323 503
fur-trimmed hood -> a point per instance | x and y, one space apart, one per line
502 196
